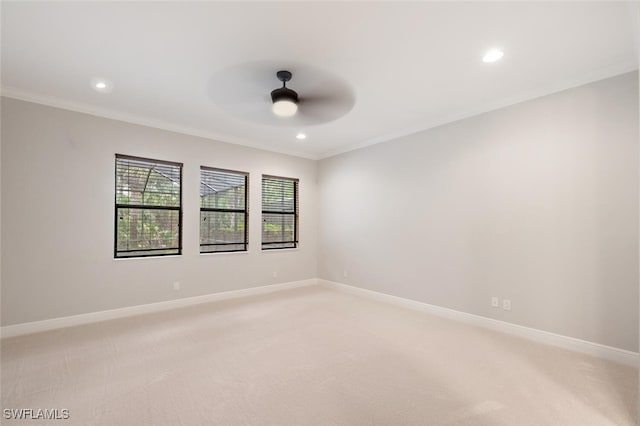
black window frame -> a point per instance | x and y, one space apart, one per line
245 211
295 242
118 254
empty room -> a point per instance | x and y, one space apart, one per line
319 213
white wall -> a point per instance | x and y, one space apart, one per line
57 216
537 203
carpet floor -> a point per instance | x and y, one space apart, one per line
307 356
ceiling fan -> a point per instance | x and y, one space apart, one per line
285 100
246 91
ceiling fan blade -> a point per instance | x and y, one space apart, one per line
327 105
243 91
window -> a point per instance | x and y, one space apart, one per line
148 212
279 213
223 210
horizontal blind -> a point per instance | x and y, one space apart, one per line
147 182
279 195
148 210
223 210
279 212
220 189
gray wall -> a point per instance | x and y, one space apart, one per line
537 203
57 216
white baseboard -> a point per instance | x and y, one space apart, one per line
595 349
56 323
621 356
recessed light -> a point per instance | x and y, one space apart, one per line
492 56
101 85
301 136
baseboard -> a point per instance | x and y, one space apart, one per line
63 322
590 348
621 356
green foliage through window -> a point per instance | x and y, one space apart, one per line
223 210
147 207
279 212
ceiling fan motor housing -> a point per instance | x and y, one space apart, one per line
282 94
285 101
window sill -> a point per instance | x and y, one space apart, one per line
224 252
280 250
169 256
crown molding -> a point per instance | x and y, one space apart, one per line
600 74
591 77
27 96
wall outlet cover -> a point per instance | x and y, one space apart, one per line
506 304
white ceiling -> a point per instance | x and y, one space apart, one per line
408 66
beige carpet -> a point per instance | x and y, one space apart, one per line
309 356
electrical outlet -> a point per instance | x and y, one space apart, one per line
495 302
176 285
506 304
345 273
275 274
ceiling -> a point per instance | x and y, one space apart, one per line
406 66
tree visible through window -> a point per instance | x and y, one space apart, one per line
148 207
279 213
223 210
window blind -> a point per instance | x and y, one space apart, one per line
279 212
223 210
148 207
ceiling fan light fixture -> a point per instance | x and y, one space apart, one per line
285 101
284 106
